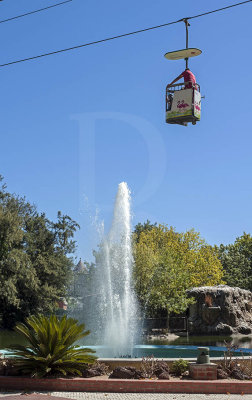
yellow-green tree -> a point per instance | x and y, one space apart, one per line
168 263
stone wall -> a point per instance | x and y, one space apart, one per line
220 310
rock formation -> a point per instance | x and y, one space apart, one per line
126 373
220 310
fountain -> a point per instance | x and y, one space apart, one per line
109 304
114 308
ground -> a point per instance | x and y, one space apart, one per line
124 396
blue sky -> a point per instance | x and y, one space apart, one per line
74 125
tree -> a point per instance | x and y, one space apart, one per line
35 265
167 263
139 228
236 260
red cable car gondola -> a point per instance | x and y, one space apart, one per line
183 100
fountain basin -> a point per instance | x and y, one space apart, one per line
166 351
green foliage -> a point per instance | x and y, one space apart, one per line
167 263
236 260
51 350
34 266
178 367
139 228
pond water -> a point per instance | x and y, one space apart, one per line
240 341
167 351
10 337
185 347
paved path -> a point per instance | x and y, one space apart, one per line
151 396
123 396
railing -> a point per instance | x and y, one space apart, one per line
179 86
174 324
178 324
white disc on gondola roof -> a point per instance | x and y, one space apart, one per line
185 53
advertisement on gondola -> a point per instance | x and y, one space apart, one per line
197 104
182 104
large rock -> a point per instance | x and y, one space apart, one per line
97 369
161 370
126 373
220 310
164 375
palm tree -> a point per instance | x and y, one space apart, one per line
51 348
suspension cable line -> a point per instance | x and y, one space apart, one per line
122 35
35 11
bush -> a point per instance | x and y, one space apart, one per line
50 350
179 367
233 367
150 367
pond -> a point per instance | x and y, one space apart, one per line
168 351
185 346
238 340
10 337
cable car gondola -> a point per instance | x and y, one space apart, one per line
183 100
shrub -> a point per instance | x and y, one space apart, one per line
233 367
178 367
50 350
150 367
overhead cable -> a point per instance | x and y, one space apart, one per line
35 11
122 35
220 9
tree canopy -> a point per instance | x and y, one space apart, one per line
236 259
167 263
35 262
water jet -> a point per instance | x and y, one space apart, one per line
114 309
